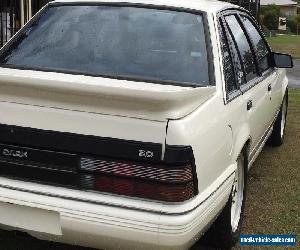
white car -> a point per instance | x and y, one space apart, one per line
133 125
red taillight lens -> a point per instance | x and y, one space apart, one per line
177 193
157 182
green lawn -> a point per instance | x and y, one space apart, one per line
273 198
286 44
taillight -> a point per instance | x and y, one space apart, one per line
166 181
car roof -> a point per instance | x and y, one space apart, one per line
209 6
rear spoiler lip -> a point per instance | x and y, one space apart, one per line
163 101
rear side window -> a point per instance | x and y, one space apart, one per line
243 46
230 79
119 42
260 46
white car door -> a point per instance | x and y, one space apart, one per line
255 99
269 76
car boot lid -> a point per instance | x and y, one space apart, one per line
141 100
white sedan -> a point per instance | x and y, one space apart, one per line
133 125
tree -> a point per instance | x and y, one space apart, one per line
271 15
293 24
270 8
297 21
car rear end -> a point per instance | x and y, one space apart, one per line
74 186
54 187
83 127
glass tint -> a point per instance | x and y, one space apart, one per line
230 80
259 44
242 45
137 43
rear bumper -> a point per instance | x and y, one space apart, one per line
110 227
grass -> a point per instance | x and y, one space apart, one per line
286 44
273 199
273 196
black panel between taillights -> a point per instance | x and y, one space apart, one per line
76 143
95 163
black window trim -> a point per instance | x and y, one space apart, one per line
209 47
236 93
253 82
228 31
222 29
251 40
237 48
257 26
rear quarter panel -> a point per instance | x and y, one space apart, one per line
216 132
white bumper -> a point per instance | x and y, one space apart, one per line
104 226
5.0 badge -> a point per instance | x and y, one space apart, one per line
146 153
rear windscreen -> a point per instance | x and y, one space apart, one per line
131 42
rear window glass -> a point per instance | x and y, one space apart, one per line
130 42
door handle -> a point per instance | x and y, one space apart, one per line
249 105
269 87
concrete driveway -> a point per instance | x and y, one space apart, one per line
294 75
